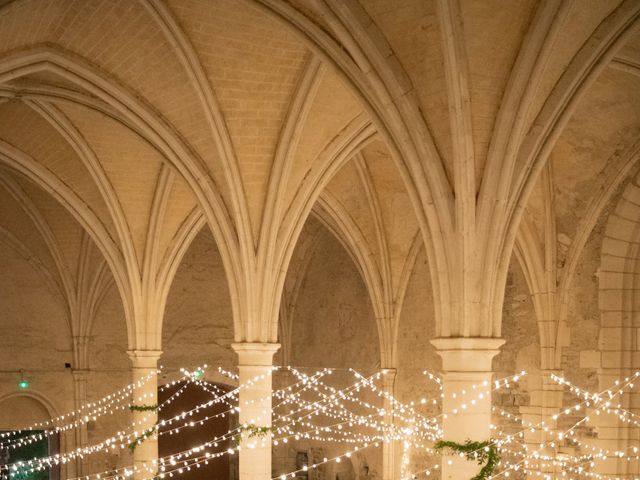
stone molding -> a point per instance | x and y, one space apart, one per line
144 358
467 354
255 354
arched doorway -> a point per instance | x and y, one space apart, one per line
18 411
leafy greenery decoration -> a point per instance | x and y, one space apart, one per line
483 452
254 431
142 437
143 408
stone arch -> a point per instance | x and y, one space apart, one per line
197 323
617 355
48 411
38 398
132 113
328 235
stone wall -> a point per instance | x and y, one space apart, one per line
333 326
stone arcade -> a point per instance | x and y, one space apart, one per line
388 186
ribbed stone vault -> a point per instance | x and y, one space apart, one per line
430 142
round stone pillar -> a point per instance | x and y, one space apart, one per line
80 379
390 469
144 370
465 362
255 362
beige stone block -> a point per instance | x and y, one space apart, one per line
611 338
614 263
628 210
610 299
632 194
636 362
620 228
634 398
614 359
590 359
608 432
607 466
611 280
611 319
632 253
615 246
608 375
535 399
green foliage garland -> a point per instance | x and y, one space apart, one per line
147 433
483 452
254 431
143 408
142 437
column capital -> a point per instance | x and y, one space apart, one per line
255 353
389 378
467 354
144 358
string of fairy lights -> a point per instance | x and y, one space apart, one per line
346 412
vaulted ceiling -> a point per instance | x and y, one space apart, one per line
125 126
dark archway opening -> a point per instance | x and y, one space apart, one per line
216 420
39 445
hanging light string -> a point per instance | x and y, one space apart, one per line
98 408
48 464
62 459
180 457
121 439
234 409
624 415
574 464
489 386
118 398
334 405
530 427
562 435
604 407
344 436
363 381
124 438
315 408
231 432
499 384
344 413
325 460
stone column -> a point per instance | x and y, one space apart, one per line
545 402
80 377
143 364
465 362
389 461
254 364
